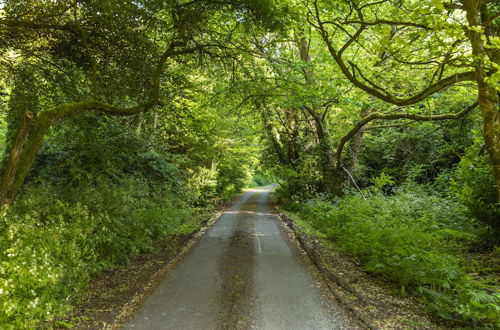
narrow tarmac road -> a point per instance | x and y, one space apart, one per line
244 273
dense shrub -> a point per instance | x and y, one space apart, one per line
418 152
232 176
413 238
43 264
295 185
50 247
474 185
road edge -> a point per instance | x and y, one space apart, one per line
372 311
128 310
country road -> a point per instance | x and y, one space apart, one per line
244 273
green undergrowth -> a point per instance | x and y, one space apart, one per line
420 241
261 178
51 248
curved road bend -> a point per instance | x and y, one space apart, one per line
243 274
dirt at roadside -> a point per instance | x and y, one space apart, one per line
371 300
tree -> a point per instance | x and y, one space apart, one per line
436 47
113 57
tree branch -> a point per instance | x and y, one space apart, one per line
383 95
388 22
377 115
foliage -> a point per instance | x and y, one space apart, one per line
419 152
413 238
403 236
474 185
261 178
52 247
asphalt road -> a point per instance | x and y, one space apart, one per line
244 273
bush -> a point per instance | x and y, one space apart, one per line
51 247
203 186
232 178
419 152
43 264
413 238
403 237
474 185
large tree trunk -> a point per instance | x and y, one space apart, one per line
292 129
27 141
10 165
488 95
331 175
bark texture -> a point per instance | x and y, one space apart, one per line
355 144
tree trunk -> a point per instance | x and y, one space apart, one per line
11 163
268 126
292 136
331 175
355 144
22 153
488 95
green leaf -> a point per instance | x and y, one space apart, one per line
438 4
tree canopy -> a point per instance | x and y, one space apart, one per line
191 100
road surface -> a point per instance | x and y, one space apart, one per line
244 273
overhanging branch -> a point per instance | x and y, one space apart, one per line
388 22
375 91
31 137
395 116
